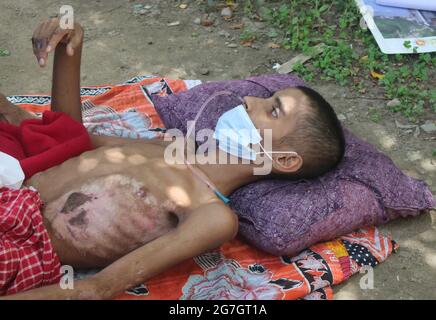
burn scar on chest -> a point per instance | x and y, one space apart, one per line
79 220
75 200
114 214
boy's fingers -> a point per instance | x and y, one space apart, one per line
39 45
49 34
70 50
41 39
74 42
56 37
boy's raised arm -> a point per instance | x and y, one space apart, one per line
67 43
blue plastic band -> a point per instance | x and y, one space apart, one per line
222 197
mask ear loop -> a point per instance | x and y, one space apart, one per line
268 153
264 152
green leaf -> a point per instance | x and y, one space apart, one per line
4 53
323 8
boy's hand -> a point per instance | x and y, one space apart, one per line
49 34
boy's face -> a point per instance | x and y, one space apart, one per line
279 113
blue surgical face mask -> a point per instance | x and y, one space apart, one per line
236 134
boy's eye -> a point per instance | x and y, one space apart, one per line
275 112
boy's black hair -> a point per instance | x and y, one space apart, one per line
318 137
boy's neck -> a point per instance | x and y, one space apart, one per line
229 177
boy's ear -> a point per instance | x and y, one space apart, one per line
287 162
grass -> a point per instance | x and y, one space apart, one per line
352 57
374 115
247 35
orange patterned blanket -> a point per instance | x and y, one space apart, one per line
235 270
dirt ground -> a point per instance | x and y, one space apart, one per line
120 44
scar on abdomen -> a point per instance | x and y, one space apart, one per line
79 220
75 200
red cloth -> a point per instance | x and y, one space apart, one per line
40 144
27 259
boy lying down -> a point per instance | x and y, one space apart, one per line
139 217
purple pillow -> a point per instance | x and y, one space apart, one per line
284 217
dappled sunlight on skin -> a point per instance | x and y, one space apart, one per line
115 155
86 165
173 166
161 165
136 159
179 196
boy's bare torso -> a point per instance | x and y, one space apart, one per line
111 200
121 206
